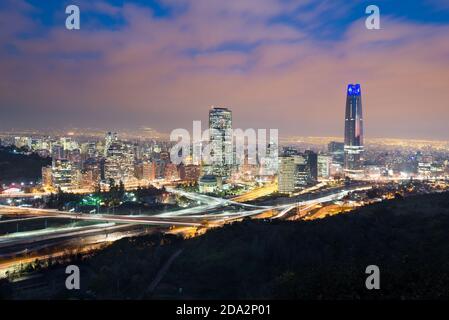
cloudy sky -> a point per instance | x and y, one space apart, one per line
276 63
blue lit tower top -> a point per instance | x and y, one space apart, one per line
354 90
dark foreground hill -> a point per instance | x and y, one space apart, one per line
324 259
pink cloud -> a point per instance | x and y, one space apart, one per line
142 74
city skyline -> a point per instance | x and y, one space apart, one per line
245 151
132 65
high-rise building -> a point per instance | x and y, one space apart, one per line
119 162
110 138
149 171
337 150
286 177
94 165
220 126
68 143
312 165
90 149
302 171
171 172
424 165
353 161
335 146
87 179
269 164
47 177
189 172
146 171
62 174
57 152
324 165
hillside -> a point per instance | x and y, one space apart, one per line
15 167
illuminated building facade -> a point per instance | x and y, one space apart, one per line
189 172
149 171
110 138
47 176
87 179
171 172
312 165
337 151
353 160
286 177
324 165
119 162
220 126
62 174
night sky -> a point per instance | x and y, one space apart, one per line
276 63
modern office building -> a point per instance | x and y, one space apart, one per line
353 160
337 151
312 165
220 139
63 174
57 151
287 174
324 165
88 180
94 165
149 171
424 165
47 176
119 162
189 172
302 171
269 164
110 138
171 172
336 147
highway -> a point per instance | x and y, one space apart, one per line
256 193
190 217
210 212
39 236
58 246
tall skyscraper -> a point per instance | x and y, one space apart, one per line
337 151
119 162
353 163
220 126
312 165
324 164
110 138
62 174
286 177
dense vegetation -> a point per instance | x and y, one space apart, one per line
15 167
322 259
115 198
